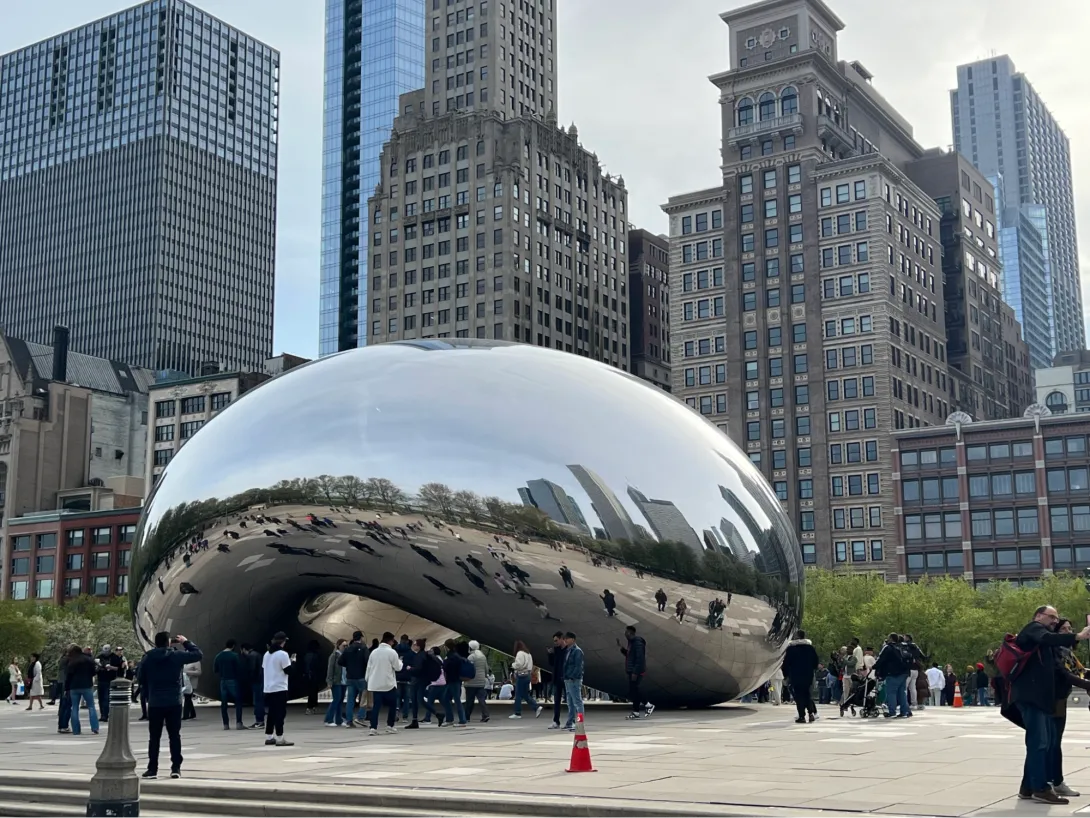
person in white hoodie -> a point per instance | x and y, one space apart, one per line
775 686
382 667
936 681
523 666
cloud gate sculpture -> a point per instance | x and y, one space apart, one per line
500 491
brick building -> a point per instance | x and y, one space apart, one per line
993 500
59 555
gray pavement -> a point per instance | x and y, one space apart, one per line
941 762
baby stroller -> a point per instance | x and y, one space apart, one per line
864 697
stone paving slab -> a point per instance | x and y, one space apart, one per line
942 762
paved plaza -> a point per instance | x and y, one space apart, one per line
941 762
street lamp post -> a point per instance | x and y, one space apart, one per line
115 787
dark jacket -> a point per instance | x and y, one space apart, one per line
80 673
574 664
227 665
1036 684
313 667
252 672
890 662
160 673
109 668
354 661
556 664
452 668
405 651
800 660
62 672
635 656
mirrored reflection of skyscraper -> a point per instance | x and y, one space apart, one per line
666 520
735 542
551 499
615 521
374 52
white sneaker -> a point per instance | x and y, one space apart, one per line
391 730
554 726
372 732
330 724
539 711
514 716
650 708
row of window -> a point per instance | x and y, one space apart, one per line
843 193
850 419
844 286
1073 445
857 551
191 406
857 517
776 397
701 222
702 279
75 537
701 250
771 235
46 563
73 587
705 346
847 357
769 179
799 366
862 451
773 298
777 428
849 388
775 336
773 268
856 485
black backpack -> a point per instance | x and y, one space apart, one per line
433 667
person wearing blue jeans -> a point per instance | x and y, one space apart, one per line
228 665
574 665
897 694
80 673
335 678
523 666
355 687
452 701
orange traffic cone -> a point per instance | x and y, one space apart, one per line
957 696
580 751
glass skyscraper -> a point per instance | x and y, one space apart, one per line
374 52
1004 127
138 159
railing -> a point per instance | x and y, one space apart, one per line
753 129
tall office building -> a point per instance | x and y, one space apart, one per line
490 220
374 52
666 520
616 524
810 280
990 373
1003 126
138 159
649 294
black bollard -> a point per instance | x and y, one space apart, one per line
115 787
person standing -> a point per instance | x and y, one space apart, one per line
251 663
635 666
192 674
936 681
775 686
383 665
64 711
557 654
522 667
1033 693
34 676
274 668
313 674
660 599
354 661
892 665
476 691
160 676
982 683
800 660
456 669
335 678
106 670
15 678
420 676
81 681
574 666
228 666
404 677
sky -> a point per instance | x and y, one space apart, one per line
633 77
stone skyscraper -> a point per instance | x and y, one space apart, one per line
490 221
374 52
1005 128
138 164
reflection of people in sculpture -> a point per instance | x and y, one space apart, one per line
426 554
541 609
660 598
515 572
504 584
223 548
186 588
361 546
609 601
162 588
476 580
681 609
441 586
476 563
565 574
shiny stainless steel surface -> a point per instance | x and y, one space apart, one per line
568 461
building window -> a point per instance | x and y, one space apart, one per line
47 541
164 433
74 562
221 400
193 405
73 587
100 586
165 408
100 560
100 536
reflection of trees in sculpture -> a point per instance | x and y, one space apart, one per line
712 568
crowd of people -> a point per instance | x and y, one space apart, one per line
1029 677
406 681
